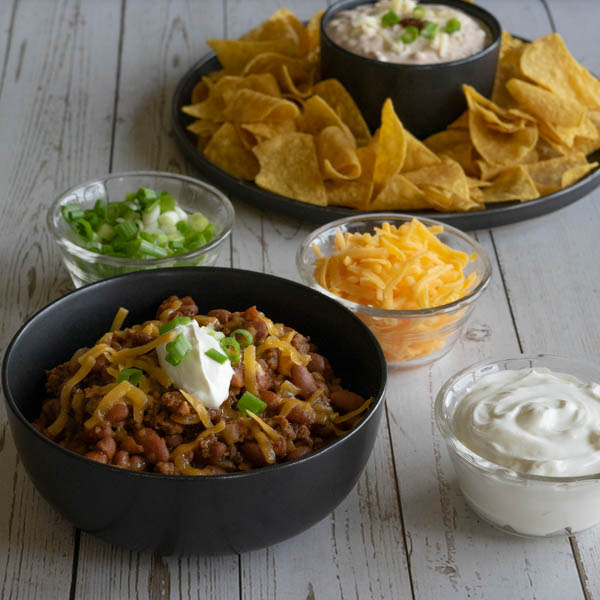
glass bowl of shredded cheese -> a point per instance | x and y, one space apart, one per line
414 282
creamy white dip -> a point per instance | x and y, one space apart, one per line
533 421
428 36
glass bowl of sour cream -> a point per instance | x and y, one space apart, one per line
523 435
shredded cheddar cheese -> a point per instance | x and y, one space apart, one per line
398 268
119 319
199 408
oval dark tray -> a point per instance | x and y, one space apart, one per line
500 214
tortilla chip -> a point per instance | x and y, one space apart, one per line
289 166
317 115
546 106
337 154
311 41
417 154
203 127
455 143
354 194
261 131
513 183
336 95
234 55
461 123
294 75
391 147
400 193
548 174
548 62
509 67
248 106
281 25
226 150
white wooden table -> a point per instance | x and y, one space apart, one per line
85 88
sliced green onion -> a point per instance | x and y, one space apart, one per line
410 34
419 11
151 205
100 208
177 349
84 229
167 202
145 195
173 323
249 402
245 334
126 230
150 249
72 212
182 227
429 30
106 231
198 222
131 197
452 25
134 376
390 19
231 347
216 355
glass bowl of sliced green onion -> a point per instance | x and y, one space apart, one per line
139 220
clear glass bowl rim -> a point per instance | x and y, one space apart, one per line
474 459
385 313
118 261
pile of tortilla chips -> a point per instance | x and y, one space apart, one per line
266 118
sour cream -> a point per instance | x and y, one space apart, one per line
198 374
533 421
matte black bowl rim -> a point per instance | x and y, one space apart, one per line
81 252
188 478
472 10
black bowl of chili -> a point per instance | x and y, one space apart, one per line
216 514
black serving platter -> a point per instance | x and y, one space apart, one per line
494 216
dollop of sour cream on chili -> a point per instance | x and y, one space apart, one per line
533 421
198 374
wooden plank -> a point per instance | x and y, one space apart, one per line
358 550
54 102
563 288
161 42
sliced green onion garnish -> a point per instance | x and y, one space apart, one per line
249 402
173 323
72 212
249 338
419 11
134 376
410 34
145 195
452 25
106 231
390 19
84 229
198 222
216 355
429 30
182 227
126 230
231 347
177 349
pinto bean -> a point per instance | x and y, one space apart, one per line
301 416
155 448
280 446
271 399
299 452
251 314
302 378
301 343
130 445
139 338
259 331
317 363
251 451
221 314
217 450
238 376
98 432
119 412
121 459
346 400
137 463
108 446
97 456
173 441
100 363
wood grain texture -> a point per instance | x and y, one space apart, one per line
158 47
54 104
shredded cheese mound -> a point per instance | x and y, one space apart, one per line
398 268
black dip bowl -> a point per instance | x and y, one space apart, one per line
218 514
426 97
